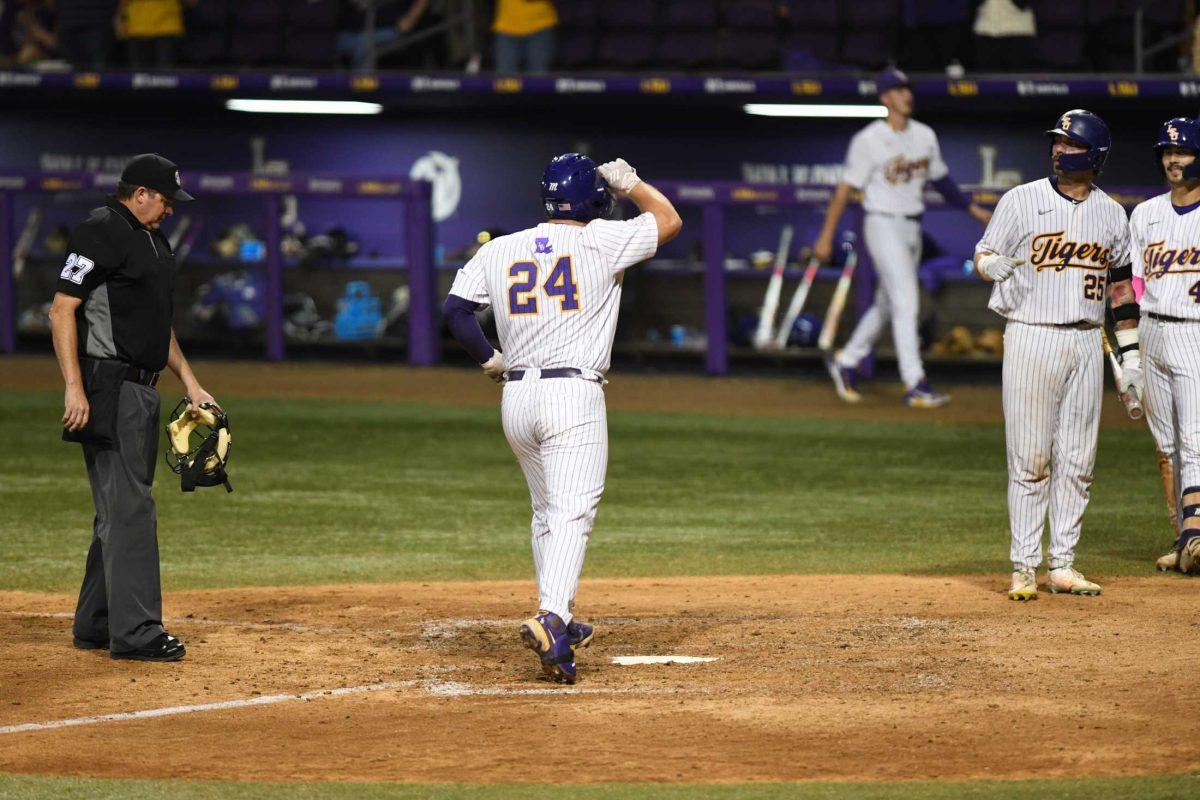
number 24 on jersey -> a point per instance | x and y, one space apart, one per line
523 294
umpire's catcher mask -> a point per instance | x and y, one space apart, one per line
199 447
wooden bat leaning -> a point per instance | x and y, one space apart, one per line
797 304
838 303
25 241
766 314
1130 399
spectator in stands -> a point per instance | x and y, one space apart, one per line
32 30
1004 36
152 30
524 34
393 22
85 32
936 34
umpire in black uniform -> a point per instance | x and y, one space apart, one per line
111 321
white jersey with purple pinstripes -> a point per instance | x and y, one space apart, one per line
1068 247
1164 248
556 289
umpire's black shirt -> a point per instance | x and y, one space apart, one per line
125 274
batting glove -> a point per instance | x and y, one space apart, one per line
619 175
996 267
494 367
1132 377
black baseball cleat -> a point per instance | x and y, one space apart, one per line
90 644
165 648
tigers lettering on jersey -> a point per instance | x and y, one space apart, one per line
1054 251
1165 250
1158 260
892 166
901 170
1068 247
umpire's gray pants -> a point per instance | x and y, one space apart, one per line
121 597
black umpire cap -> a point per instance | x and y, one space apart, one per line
155 172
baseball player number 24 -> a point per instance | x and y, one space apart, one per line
560 284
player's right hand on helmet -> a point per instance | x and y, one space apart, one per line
619 175
494 367
996 267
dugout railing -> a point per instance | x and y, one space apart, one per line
414 218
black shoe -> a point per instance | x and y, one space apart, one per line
165 648
91 644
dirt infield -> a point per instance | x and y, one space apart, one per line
818 677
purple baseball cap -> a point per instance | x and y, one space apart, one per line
890 79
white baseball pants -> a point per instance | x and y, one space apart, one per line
1053 379
1171 354
895 247
558 429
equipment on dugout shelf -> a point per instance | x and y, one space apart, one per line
301 320
358 315
232 301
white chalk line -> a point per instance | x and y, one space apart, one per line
637 661
434 688
170 711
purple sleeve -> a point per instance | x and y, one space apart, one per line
460 317
948 189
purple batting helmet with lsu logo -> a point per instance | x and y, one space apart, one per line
1087 129
1183 133
573 189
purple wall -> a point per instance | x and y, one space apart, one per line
498 158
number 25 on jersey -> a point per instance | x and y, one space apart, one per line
523 294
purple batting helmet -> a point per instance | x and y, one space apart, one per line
1183 133
1087 129
573 189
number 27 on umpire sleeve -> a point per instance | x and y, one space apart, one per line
522 292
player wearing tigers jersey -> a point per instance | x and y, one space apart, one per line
1164 246
1052 248
556 289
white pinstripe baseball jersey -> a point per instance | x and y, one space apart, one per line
1068 248
891 167
1164 247
556 289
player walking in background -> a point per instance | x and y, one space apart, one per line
1164 246
890 161
1052 247
556 290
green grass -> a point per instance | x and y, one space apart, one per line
1152 788
333 492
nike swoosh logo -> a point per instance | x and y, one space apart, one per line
1155 222
1047 211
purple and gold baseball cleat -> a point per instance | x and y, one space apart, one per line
548 636
580 633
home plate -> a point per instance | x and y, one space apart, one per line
633 661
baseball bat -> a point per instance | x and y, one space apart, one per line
834 315
797 305
1130 399
25 241
181 228
766 314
